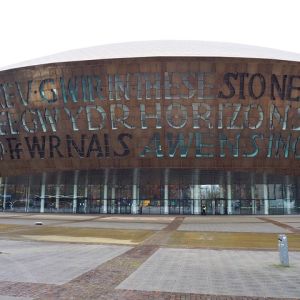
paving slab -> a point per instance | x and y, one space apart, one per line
222 219
10 215
26 222
14 298
134 218
234 227
54 216
285 219
217 272
115 225
294 224
51 263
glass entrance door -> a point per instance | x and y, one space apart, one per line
213 207
220 207
82 204
124 206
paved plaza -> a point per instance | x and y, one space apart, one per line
146 257
14 298
51 263
227 272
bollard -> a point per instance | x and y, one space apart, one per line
283 250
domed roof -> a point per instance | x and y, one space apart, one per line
161 49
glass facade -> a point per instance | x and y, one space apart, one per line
152 191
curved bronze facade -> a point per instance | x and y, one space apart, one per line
171 115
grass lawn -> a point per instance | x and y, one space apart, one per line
227 240
69 234
7 227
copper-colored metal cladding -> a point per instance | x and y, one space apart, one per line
230 114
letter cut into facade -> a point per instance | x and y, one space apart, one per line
144 128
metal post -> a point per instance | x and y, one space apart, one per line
113 196
265 191
288 194
222 204
105 191
75 189
134 192
283 250
213 206
4 193
253 194
43 190
105 199
85 192
138 195
85 198
229 194
166 192
57 191
196 193
100 201
192 198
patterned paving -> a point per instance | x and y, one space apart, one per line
227 272
147 271
51 263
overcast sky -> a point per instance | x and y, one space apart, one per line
35 28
